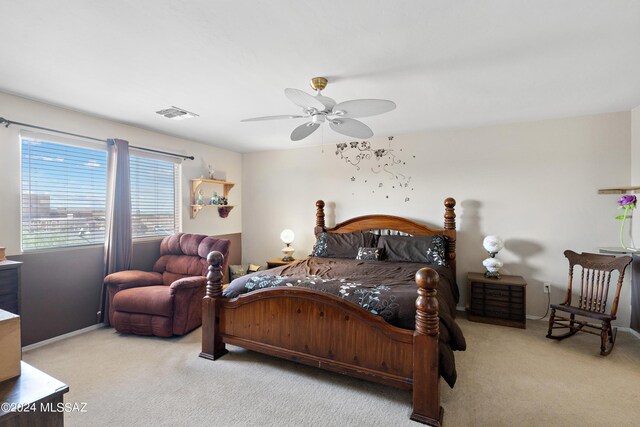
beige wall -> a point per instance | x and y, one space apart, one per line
27 111
535 184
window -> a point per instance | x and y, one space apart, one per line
153 196
64 186
63 195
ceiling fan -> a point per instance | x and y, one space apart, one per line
341 117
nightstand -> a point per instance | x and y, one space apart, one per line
497 301
277 262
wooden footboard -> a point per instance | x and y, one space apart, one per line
319 329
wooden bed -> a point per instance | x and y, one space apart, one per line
319 329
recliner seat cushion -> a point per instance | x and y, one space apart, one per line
156 300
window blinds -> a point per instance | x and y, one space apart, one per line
63 195
153 196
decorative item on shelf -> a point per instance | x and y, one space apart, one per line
3 256
223 211
222 199
628 203
200 198
493 245
287 237
211 172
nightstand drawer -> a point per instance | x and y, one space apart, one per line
505 294
514 306
501 312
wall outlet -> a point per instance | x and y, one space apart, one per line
547 288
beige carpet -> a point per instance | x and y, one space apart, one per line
507 377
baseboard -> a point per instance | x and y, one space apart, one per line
531 317
631 331
528 316
30 347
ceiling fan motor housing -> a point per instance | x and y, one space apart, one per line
318 118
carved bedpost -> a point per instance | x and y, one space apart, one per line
320 227
212 345
426 369
450 224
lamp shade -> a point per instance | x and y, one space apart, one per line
493 244
287 236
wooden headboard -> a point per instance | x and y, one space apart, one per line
396 223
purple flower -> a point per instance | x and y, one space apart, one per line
628 200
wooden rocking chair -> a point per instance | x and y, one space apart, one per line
592 302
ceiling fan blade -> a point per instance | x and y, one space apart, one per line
363 108
351 127
258 119
304 130
326 101
303 99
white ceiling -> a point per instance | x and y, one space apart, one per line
445 63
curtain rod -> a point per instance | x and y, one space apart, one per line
7 123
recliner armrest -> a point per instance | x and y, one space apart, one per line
188 283
133 279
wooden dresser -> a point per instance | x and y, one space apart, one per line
10 286
497 301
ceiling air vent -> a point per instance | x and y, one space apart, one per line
176 113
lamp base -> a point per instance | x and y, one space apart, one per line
288 253
492 275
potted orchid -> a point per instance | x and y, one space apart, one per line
626 202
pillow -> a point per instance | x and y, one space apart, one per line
236 271
253 268
426 249
343 245
369 254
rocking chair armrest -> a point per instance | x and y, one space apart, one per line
188 283
133 279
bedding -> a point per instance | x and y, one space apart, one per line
385 288
428 250
343 245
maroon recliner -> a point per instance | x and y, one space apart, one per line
167 301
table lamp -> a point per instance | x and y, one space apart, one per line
287 237
493 245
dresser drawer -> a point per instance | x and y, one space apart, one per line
8 276
10 286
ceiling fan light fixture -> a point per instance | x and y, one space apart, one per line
320 109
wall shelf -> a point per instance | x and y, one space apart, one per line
619 190
223 210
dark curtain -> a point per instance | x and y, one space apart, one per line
118 242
